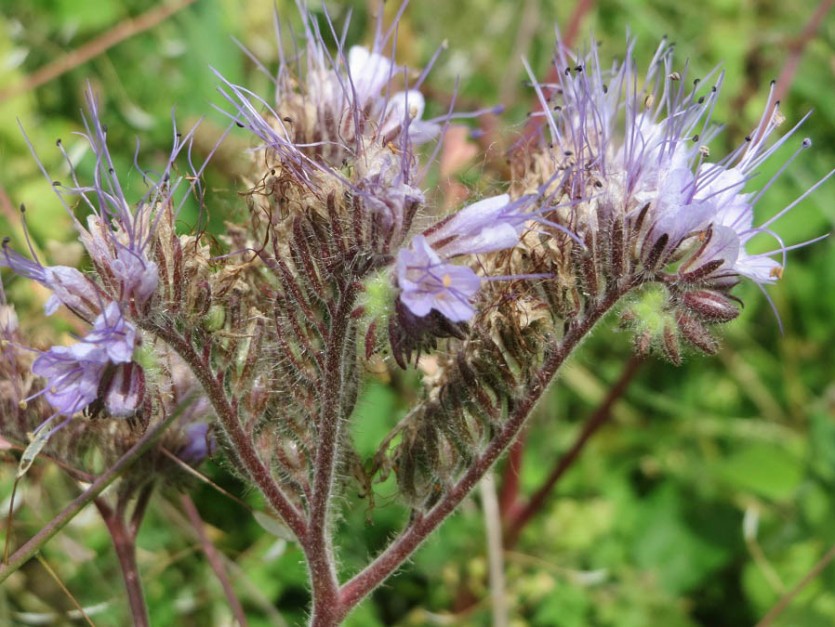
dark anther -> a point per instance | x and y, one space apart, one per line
695 138
239 125
104 128
22 208
701 100
56 183
748 138
58 142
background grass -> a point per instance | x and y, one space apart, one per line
647 527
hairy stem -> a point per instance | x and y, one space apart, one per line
318 543
255 468
422 525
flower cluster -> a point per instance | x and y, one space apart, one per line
638 146
635 157
617 201
98 373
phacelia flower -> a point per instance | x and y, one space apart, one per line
342 124
485 226
68 285
118 236
199 443
426 279
427 283
76 374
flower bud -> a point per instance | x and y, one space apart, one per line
670 344
709 305
696 334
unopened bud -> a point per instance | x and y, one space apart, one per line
697 334
710 305
670 344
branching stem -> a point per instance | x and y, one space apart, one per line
241 442
422 525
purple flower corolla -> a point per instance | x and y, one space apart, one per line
369 73
486 226
74 374
425 278
427 283
199 444
69 286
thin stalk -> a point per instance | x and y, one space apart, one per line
214 558
30 548
495 550
242 444
422 525
787 598
124 542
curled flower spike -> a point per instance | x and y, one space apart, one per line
340 107
637 148
119 236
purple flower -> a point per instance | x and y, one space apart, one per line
485 226
118 236
69 286
75 374
427 283
200 443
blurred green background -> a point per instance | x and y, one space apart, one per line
647 528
